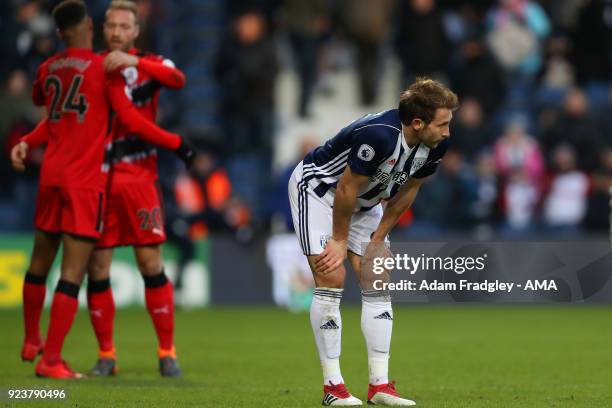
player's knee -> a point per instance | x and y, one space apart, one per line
39 269
333 279
97 270
149 266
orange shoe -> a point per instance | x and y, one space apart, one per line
106 365
29 351
60 370
168 366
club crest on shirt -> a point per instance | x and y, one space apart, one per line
131 75
324 239
365 152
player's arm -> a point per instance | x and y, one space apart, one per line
148 131
38 94
35 138
162 71
38 136
344 203
399 204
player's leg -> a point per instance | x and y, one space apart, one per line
81 222
34 288
312 220
101 307
326 320
376 326
376 312
77 251
159 298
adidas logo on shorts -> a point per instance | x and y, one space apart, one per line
330 325
384 315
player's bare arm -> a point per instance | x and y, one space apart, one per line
37 137
401 202
119 59
162 71
144 128
18 156
344 203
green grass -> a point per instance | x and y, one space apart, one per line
442 356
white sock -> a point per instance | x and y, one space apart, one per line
377 326
327 329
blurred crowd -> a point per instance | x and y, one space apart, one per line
531 143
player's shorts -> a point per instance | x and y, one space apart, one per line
75 211
313 219
133 215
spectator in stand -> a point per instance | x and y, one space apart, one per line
565 192
517 30
576 127
16 107
519 200
470 134
367 24
246 70
598 206
445 203
557 76
480 76
592 42
518 155
422 43
17 117
306 23
520 164
203 202
483 210
20 36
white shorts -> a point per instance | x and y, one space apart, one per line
313 220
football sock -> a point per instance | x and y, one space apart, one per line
377 326
327 328
159 297
33 301
101 312
63 310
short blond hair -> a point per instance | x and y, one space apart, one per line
124 5
423 98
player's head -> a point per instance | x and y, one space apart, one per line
74 26
121 26
426 109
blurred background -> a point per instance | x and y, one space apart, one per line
531 144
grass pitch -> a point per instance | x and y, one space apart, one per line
442 356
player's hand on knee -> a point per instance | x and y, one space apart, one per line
18 156
332 257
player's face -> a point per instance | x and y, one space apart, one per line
438 129
120 30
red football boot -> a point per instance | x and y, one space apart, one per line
385 394
29 351
60 370
338 395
